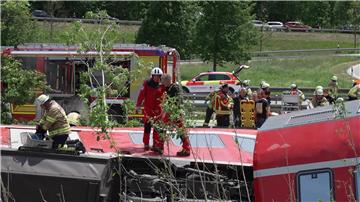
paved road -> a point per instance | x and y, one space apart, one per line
354 71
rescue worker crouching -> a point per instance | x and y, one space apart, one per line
151 95
173 91
295 91
54 120
223 106
74 118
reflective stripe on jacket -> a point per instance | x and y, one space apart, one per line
54 120
222 104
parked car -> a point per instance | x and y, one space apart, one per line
207 82
274 26
257 23
40 13
297 26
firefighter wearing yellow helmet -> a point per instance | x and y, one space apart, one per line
54 121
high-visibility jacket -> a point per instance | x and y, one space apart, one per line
333 89
211 99
354 92
222 104
54 120
298 93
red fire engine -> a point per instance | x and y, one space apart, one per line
62 66
309 155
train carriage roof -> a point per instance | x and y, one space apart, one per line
309 116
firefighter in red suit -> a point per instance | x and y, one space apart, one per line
173 91
151 95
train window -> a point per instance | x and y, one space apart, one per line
202 140
137 137
315 186
246 144
357 182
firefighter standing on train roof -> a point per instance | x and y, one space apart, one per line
295 91
223 106
354 92
319 100
173 91
333 88
54 120
151 95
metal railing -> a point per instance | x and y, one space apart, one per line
51 19
276 96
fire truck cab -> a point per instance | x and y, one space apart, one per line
310 155
62 66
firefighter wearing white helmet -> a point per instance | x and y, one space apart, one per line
150 97
319 100
295 91
332 90
54 121
246 85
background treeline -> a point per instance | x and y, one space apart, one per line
314 13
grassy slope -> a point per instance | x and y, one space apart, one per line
306 72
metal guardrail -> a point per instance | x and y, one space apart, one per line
50 19
306 51
276 96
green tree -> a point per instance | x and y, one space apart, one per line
16 24
169 23
20 85
225 36
106 79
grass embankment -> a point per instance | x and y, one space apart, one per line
305 40
46 34
308 71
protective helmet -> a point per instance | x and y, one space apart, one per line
293 86
319 87
334 78
265 85
319 92
246 82
156 71
42 99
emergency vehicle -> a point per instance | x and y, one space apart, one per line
221 159
310 155
207 82
62 66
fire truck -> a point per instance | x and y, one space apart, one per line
62 66
311 155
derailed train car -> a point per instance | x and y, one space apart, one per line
311 155
219 168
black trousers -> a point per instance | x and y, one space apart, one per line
59 140
223 120
209 112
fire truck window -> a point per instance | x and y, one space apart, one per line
137 137
60 76
218 77
246 144
202 140
28 62
357 182
315 186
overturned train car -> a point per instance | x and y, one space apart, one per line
219 168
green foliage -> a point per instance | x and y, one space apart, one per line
20 85
169 23
16 24
105 77
225 36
